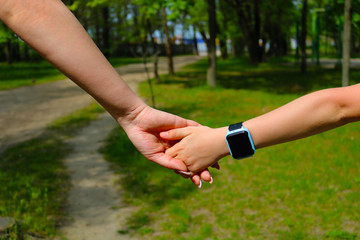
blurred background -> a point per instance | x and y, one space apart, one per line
242 59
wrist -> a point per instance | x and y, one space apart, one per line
132 114
250 125
221 135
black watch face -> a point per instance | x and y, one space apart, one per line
240 144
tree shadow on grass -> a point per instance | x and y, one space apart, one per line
280 81
27 71
273 77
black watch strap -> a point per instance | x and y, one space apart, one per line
235 126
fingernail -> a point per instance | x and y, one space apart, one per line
200 184
185 173
211 180
164 134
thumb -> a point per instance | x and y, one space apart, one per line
175 134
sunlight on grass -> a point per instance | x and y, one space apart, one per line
27 74
308 189
32 73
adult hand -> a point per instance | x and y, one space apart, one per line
143 126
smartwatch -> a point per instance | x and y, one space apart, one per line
239 141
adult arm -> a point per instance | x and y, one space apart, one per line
53 31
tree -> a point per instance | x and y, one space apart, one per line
198 18
211 72
248 16
278 17
346 44
7 37
168 43
303 36
151 22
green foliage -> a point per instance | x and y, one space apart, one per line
91 4
5 34
301 190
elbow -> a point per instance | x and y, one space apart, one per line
345 105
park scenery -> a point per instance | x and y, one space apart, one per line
69 171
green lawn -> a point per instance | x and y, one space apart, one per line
308 189
28 74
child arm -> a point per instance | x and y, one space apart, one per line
316 112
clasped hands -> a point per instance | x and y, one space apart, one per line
176 143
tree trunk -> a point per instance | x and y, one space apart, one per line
257 27
8 52
211 72
168 44
196 49
303 37
156 51
223 49
106 32
346 44
97 28
248 16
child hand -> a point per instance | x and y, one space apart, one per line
199 148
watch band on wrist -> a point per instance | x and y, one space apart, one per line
235 126
239 141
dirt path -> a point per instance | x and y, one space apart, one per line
26 111
95 207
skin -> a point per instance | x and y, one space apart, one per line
314 113
53 31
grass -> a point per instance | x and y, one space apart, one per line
308 189
36 184
31 73
36 180
27 74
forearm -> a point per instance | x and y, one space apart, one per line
311 114
52 30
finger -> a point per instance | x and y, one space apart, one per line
206 176
193 123
172 152
168 162
186 174
175 134
216 165
196 180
